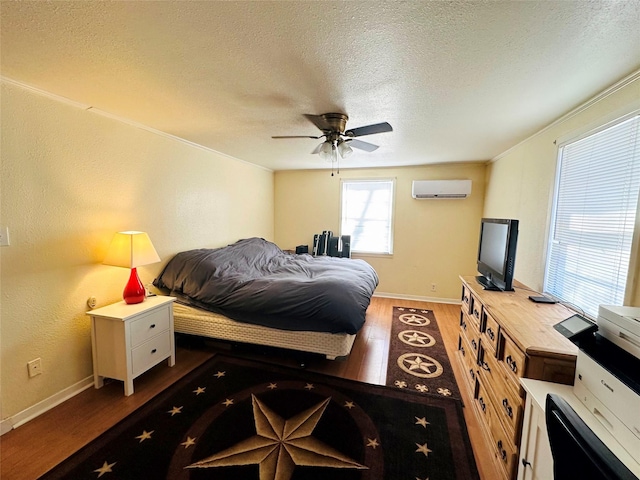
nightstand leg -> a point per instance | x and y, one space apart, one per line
172 360
98 381
128 387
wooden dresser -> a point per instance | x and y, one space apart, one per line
505 336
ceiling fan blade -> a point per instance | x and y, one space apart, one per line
317 149
366 146
319 121
369 130
296 136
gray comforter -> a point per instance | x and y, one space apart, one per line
254 281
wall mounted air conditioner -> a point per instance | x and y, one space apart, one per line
422 189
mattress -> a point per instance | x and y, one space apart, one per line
194 321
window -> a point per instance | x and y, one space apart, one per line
594 214
367 215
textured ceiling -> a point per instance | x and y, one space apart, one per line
458 81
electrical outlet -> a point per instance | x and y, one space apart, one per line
4 236
34 367
433 287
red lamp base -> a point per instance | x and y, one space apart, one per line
134 290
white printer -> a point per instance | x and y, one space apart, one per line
621 325
607 377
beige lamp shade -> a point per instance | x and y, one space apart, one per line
130 250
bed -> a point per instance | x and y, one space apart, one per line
253 292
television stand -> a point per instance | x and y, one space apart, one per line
486 284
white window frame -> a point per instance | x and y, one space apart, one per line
391 212
635 243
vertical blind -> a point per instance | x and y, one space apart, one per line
594 216
367 209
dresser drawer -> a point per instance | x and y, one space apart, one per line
475 311
151 352
504 449
466 299
469 362
504 395
512 358
472 336
150 325
490 330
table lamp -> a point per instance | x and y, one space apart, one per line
131 250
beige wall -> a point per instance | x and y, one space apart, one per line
521 183
71 178
434 240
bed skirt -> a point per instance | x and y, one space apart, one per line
193 321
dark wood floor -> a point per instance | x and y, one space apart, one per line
30 450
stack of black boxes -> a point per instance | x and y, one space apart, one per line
326 243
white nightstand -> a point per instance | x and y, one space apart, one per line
128 340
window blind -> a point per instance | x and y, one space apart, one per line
367 215
594 217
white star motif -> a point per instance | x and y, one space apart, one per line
105 468
400 384
280 445
219 374
423 449
145 435
422 421
228 402
349 405
175 411
272 386
373 443
422 388
189 442
401 309
199 390
420 365
444 391
412 309
309 386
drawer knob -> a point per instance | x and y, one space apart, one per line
153 325
507 407
474 344
503 452
463 352
525 463
490 333
154 350
482 404
511 363
485 366
472 374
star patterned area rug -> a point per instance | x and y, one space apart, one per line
238 419
418 360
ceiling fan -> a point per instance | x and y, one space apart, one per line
337 138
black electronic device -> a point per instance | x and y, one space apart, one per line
497 253
574 326
302 249
541 299
577 451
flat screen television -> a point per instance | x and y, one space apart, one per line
497 253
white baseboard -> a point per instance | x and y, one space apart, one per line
399 296
39 408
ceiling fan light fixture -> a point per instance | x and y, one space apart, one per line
325 150
344 149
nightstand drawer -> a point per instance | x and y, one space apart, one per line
148 326
149 353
